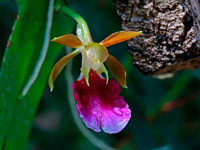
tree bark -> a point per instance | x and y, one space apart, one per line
171 29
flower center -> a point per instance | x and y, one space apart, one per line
96 53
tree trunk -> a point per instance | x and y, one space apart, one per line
171 29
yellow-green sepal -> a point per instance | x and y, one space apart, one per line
85 71
103 69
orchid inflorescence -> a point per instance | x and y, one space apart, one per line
98 100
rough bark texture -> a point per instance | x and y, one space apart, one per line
171 29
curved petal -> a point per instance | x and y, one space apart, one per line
117 70
119 37
85 71
59 66
70 40
99 105
103 69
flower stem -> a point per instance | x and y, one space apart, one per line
81 22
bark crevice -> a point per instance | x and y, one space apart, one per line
170 40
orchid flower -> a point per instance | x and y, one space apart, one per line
93 54
98 100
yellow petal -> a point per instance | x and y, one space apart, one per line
119 37
85 71
58 68
117 70
68 40
103 69
100 70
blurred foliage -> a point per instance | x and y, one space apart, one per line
165 113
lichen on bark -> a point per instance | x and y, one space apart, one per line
170 39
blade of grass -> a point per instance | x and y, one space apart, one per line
43 52
16 115
23 42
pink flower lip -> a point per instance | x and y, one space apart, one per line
99 105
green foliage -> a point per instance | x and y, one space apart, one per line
172 94
20 3
16 115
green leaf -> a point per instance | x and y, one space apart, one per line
20 3
16 115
